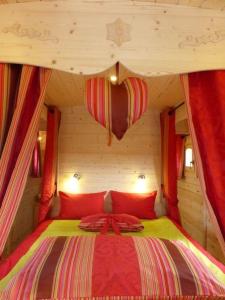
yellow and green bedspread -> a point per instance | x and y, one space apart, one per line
160 228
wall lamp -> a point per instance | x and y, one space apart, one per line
77 176
141 177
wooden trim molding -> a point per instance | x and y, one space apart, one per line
87 37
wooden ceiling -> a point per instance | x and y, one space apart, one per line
69 89
211 4
88 36
66 89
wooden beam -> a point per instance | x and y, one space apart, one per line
182 128
181 114
90 36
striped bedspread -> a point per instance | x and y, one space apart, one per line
112 267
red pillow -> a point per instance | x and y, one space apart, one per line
139 205
77 206
111 222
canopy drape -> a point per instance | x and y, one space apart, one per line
180 141
169 166
9 82
116 106
205 97
50 162
19 145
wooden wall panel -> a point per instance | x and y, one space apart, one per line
24 222
91 36
192 207
181 113
83 149
194 215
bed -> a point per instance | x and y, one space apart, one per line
60 261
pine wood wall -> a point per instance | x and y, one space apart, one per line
83 148
24 222
194 216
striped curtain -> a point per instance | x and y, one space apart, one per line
138 98
50 162
19 145
9 81
116 107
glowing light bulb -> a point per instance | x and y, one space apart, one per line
141 185
39 138
113 78
71 185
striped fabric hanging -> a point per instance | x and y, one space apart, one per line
116 107
138 98
21 138
98 100
9 80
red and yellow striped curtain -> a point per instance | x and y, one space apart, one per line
9 81
19 145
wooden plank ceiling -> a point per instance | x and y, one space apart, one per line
66 89
211 4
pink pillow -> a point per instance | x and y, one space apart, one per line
77 206
139 205
113 222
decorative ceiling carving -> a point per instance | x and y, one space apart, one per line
88 37
119 32
30 33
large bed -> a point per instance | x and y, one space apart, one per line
61 261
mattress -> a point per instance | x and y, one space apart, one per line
161 228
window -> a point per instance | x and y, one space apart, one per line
188 158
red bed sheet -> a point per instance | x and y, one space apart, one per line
112 267
7 264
